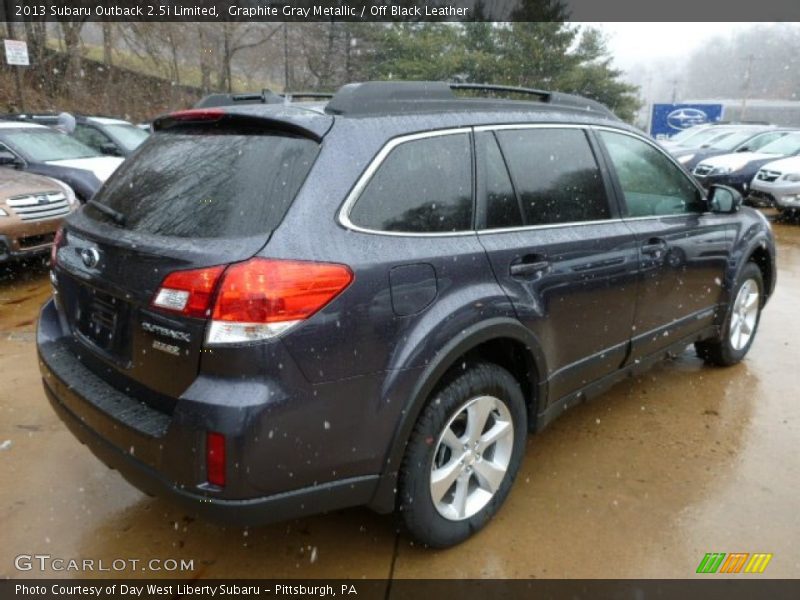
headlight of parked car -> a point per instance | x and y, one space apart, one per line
3 213
721 171
792 177
68 191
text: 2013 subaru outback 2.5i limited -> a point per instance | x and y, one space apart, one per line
271 311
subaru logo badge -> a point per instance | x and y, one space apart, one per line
684 118
90 257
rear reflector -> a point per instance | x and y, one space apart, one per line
215 458
262 298
188 292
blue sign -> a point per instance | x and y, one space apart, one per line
669 119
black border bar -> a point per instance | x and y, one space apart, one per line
401 10
712 587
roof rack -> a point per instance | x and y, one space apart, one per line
375 97
30 117
312 95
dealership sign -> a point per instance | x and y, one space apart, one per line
17 53
669 119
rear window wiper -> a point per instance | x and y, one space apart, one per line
112 214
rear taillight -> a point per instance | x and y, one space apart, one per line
253 300
57 239
262 298
188 293
215 458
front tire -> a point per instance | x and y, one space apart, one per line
463 456
741 321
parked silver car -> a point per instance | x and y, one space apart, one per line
778 183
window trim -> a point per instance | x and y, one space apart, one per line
597 155
366 177
608 174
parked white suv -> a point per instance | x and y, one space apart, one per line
779 183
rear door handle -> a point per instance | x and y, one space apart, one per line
655 246
528 265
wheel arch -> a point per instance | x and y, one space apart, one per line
503 341
764 260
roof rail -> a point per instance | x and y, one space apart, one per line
263 97
312 95
40 117
375 97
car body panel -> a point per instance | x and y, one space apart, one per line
331 403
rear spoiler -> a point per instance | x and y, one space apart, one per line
311 127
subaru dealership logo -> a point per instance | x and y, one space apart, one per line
683 118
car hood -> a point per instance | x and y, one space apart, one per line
736 159
784 165
101 166
16 183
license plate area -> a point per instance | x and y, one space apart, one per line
101 320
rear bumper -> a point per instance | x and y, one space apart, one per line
163 454
10 249
251 511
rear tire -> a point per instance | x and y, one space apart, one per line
741 321
463 456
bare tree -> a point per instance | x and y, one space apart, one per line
71 31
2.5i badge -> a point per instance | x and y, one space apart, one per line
168 348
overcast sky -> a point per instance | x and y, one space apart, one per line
633 43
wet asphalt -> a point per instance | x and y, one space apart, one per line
639 483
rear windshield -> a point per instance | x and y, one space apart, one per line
212 185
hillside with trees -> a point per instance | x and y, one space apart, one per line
84 66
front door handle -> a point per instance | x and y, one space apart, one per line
655 247
529 265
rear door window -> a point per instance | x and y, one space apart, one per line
422 186
208 184
555 174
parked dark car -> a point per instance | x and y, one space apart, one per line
107 135
45 151
747 140
701 136
372 301
738 169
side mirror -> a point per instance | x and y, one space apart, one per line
724 200
109 149
7 159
